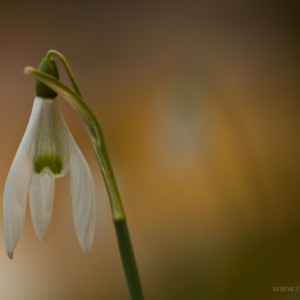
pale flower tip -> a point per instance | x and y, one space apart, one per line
43 239
41 236
86 252
86 249
10 255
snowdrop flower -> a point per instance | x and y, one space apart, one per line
47 151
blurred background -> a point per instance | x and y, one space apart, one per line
199 104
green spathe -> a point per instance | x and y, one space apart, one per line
50 161
48 66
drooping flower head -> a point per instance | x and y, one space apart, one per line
47 151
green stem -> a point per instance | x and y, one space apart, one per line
68 69
128 259
119 219
95 133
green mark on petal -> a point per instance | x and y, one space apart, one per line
50 161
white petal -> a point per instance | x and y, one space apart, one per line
83 198
41 195
17 183
83 193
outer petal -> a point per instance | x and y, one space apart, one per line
17 183
83 199
41 203
83 193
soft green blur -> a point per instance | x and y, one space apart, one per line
199 104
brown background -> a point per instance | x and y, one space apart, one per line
199 103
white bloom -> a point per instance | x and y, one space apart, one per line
47 151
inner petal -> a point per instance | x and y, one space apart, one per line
50 149
50 161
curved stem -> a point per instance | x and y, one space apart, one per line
94 131
67 67
118 214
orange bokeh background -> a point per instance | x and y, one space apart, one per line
199 104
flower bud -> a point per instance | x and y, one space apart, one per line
47 65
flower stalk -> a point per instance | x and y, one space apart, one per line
75 99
